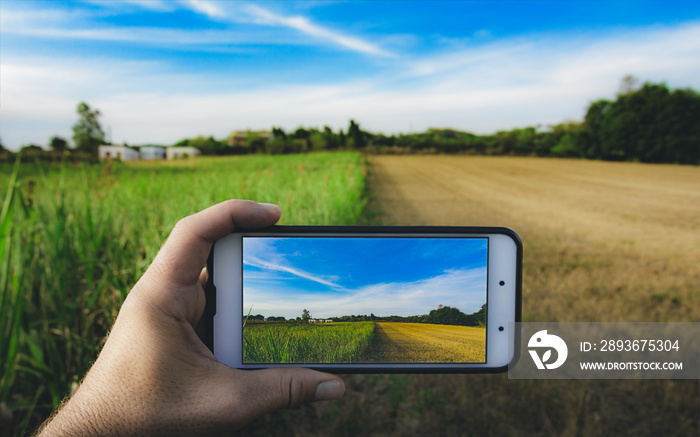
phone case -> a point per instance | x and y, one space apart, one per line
206 327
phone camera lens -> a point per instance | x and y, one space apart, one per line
502 283
500 328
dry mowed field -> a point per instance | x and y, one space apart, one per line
603 241
423 343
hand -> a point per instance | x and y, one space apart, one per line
154 376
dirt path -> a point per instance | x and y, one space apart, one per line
421 342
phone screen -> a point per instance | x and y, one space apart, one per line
364 300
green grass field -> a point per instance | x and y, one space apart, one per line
279 342
75 238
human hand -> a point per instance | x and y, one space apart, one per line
154 376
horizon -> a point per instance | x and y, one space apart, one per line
380 316
162 71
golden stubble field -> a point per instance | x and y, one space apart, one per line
603 241
397 342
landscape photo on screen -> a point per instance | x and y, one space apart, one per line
337 300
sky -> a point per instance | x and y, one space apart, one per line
333 277
161 71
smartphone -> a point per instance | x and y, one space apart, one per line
365 299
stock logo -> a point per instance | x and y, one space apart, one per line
542 340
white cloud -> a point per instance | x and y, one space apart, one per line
205 7
302 24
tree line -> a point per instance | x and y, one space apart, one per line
443 315
651 123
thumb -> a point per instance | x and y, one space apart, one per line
241 396
291 387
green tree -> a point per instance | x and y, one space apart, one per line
276 145
87 132
318 141
356 135
592 126
31 148
58 144
305 315
649 124
331 139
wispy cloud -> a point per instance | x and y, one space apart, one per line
277 267
205 7
146 35
150 5
304 25
463 289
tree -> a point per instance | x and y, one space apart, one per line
206 145
329 136
58 144
356 135
31 148
318 141
628 84
593 125
87 132
358 138
305 315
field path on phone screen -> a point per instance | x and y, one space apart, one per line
396 342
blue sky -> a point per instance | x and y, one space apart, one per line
332 277
160 71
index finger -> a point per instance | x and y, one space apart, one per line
186 250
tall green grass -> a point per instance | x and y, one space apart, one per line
278 342
75 238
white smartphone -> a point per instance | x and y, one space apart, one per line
365 299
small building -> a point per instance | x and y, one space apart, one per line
123 153
240 138
320 321
152 152
181 152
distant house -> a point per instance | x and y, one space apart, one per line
240 138
181 152
320 321
126 153
123 153
150 152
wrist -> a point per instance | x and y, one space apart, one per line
78 418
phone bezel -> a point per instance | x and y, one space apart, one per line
225 269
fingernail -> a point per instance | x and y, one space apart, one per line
269 205
328 391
